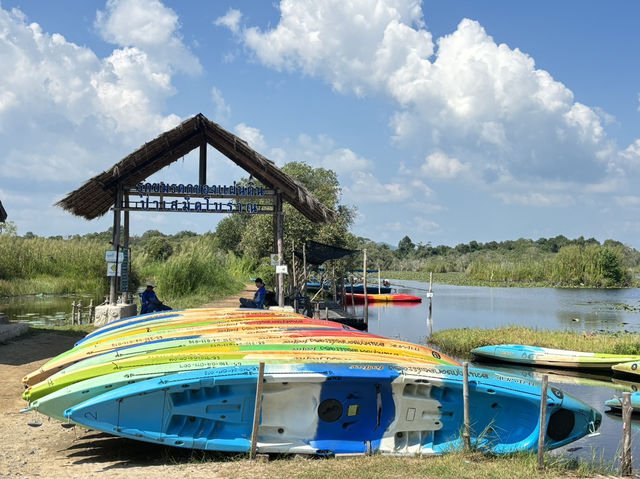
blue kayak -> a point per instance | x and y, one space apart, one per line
616 402
328 409
371 289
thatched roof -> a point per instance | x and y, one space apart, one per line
3 213
97 195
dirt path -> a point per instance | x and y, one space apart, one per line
51 451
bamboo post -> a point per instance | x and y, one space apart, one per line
430 296
256 412
73 313
353 300
79 312
466 435
543 421
364 285
626 434
92 312
379 281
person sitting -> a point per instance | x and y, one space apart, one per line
150 302
258 298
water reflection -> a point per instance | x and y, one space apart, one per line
44 310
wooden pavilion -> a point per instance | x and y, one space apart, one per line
110 189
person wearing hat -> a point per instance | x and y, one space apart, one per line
150 301
258 298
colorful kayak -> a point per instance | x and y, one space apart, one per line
616 402
631 367
535 355
166 335
382 298
330 409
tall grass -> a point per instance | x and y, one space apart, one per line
40 265
459 342
194 274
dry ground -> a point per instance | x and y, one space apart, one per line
52 451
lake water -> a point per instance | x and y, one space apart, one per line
587 310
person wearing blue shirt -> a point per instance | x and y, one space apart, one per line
258 297
150 301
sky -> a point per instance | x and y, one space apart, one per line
447 121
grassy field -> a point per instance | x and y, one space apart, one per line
459 342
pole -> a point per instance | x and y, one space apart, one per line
256 412
626 434
113 290
280 244
466 435
543 421
364 285
430 296
202 177
379 283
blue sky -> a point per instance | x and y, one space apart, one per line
447 121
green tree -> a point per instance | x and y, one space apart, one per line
405 247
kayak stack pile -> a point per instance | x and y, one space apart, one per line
192 378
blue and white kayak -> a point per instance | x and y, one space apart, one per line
616 402
538 356
330 409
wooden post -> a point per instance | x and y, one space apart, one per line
430 296
379 281
466 434
126 265
364 285
343 280
79 312
73 313
280 246
353 300
334 280
626 434
203 163
92 312
256 412
543 421
113 290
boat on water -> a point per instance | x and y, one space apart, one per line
615 403
371 288
340 408
535 355
382 298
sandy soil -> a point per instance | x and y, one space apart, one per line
35 446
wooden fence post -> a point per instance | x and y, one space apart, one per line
543 421
256 412
626 433
466 434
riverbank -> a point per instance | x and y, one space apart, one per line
463 279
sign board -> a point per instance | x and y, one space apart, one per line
429 295
111 269
275 259
110 256
282 269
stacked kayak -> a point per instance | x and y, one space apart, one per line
189 379
630 367
615 403
538 356
382 298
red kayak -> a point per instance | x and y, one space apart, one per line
383 298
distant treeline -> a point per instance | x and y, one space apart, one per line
557 261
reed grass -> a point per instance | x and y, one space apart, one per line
459 342
455 465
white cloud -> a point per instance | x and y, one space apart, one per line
149 26
253 137
470 98
439 165
231 20
536 199
222 110
628 201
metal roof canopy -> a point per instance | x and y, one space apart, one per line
105 190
